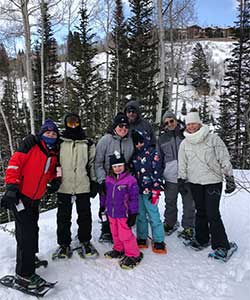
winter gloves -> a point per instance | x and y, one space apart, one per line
230 185
30 140
155 194
101 213
181 186
93 189
10 197
54 185
131 220
102 188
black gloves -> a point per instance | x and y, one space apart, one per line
93 189
10 197
30 140
100 213
230 185
54 185
131 220
181 186
102 188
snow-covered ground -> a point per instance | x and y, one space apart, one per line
181 274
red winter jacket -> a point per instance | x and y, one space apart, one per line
31 168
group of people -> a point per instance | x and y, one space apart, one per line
128 168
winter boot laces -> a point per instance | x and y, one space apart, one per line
114 254
32 282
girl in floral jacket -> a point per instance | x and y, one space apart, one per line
121 205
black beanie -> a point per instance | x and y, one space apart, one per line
116 159
137 137
120 118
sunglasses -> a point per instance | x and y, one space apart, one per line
131 110
123 126
72 124
169 122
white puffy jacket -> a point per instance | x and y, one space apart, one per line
203 158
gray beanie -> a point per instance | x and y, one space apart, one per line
169 114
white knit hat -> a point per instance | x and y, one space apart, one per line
193 117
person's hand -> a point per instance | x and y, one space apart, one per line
102 188
131 220
93 189
155 195
230 185
10 197
101 211
181 186
30 140
53 185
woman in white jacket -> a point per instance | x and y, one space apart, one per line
203 160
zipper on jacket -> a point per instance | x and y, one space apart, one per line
113 200
39 181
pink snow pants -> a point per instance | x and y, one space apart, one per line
123 237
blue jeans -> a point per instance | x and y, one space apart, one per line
149 213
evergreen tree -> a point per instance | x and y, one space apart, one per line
143 56
184 108
52 80
234 102
86 89
4 61
119 64
199 71
205 112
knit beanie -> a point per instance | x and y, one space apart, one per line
120 118
132 104
116 159
168 114
48 125
137 137
193 117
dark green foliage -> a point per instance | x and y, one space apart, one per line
235 100
184 108
143 56
205 112
119 73
199 71
4 61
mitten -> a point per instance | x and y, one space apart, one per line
101 212
53 185
131 220
230 185
30 140
102 188
93 189
10 197
155 194
181 186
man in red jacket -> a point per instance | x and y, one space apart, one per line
29 170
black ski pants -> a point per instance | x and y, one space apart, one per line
208 219
64 215
26 223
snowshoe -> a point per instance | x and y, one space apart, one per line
62 252
114 254
40 263
171 229
23 285
195 245
87 250
224 254
142 243
159 248
129 262
186 233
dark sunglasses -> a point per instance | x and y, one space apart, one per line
123 126
169 122
131 110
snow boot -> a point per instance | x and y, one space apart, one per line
224 254
32 282
106 236
142 243
170 229
129 262
186 233
114 254
62 252
159 248
40 262
87 250
194 244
